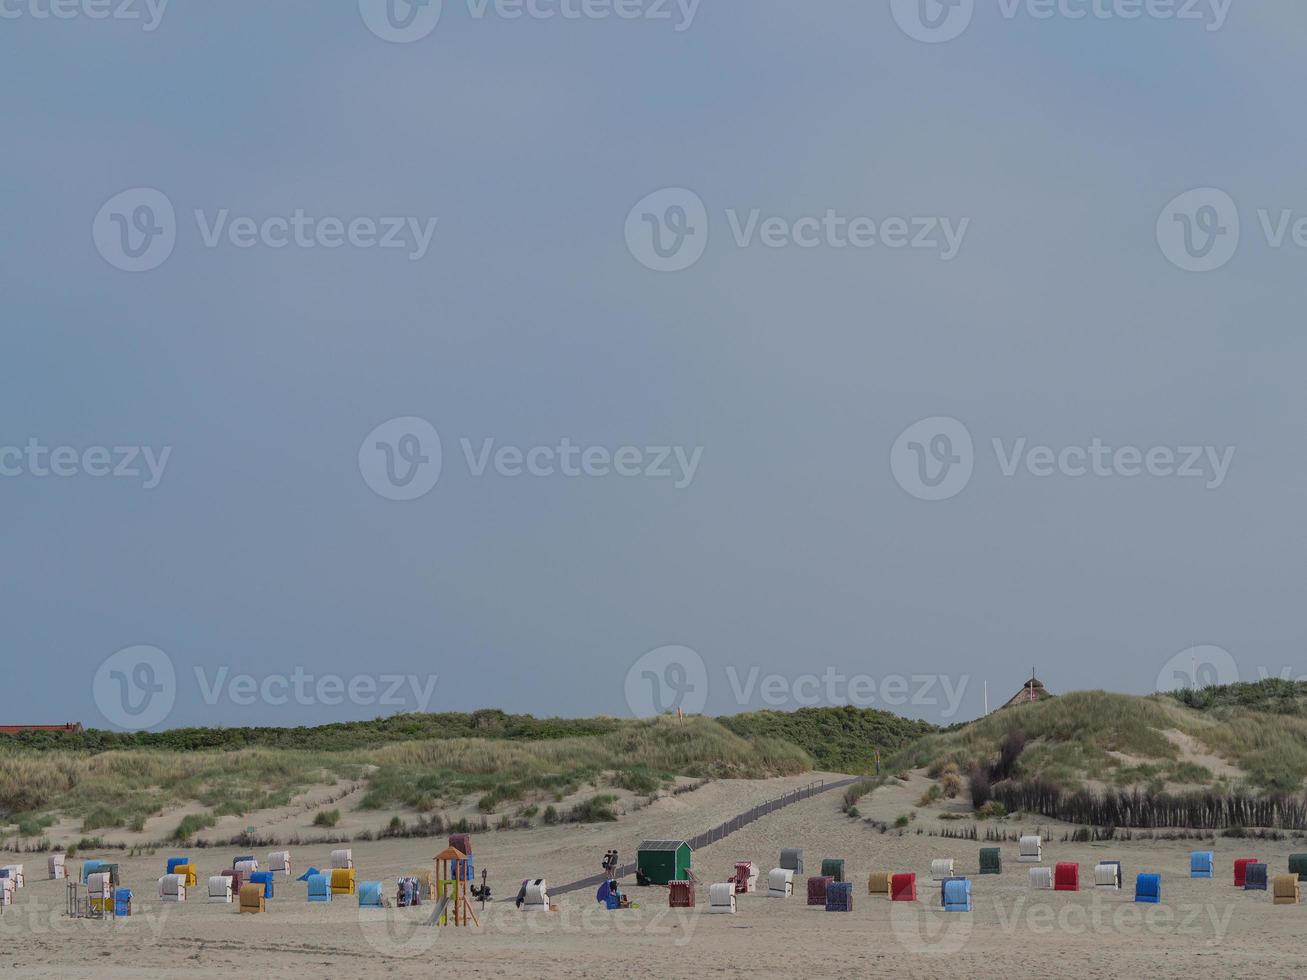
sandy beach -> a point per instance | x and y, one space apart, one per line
1202 928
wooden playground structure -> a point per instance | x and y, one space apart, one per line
453 906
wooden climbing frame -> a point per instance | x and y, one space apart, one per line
451 883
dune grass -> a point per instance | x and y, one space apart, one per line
844 739
424 774
503 761
192 824
1270 695
119 789
1076 731
338 737
1073 738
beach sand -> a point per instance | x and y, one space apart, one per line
1203 928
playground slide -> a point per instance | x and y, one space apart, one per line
440 910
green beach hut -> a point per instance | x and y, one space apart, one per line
662 861
1298 866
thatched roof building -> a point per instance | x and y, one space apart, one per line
1031 690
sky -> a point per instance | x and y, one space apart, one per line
720 356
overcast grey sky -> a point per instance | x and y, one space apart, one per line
995 229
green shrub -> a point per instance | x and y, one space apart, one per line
192 824
597 809
326 818
102 817
640 780
34 826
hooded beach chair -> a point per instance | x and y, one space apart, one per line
252 900
1148 889
535 895
780 883
1202 864
89 868
1031 849
319 888
1041 879
941 868
172 888
833 868
99 892
1066 877
878 883
344 881
817 885
903 887
721 897
370 895
1298 866
792 859
1107 874
427 883
1241 870
680 895
1256 878
839 896
957 895
219 889
746 877
991 861
1287 890
263 878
